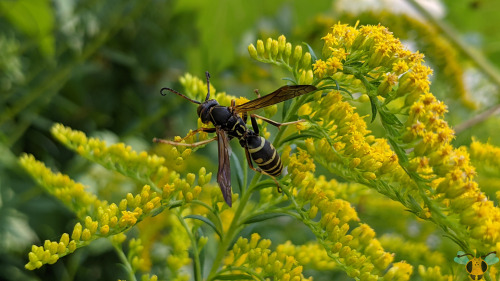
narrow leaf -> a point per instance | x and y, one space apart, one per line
158 211
403 158
373 102
205 220
311 51
286 106
239 171
263 217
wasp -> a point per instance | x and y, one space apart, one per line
476 267
230 122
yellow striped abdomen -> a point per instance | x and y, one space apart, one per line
264 155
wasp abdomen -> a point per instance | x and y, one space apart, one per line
264 155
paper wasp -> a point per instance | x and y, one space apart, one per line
228 123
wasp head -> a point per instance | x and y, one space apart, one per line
204 110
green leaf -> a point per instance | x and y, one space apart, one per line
286 106
239 171
205 220
158 211
302 135
213 18
35 19
290 79
263 217
403 158
311 51
373 102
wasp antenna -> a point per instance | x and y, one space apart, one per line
208 85
494 252
177 93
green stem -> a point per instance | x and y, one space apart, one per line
125 261
194 243
232 231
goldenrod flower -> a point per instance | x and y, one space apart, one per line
255 255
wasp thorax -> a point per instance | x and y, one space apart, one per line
204 110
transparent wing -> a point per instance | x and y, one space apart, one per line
282 94
224 173
491 258
461 258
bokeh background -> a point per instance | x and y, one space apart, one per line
97 66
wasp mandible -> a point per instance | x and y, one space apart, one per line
230 122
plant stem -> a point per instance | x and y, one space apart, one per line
194 245
232 231
125 262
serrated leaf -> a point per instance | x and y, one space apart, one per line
205 220
263 217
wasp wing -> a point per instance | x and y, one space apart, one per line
461 258
224 173
282 94
491 258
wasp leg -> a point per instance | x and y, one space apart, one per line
185 144
256 91
207 130
274 123
258 170
254 124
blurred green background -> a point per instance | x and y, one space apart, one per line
97 66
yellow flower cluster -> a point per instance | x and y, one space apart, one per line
384 59
453 174
196 88
283 53
399 271
146 277
399 79
71 193
134 256
433 274
176 239
311 255
413 252
109 220
347 142
485 153
494 272
358 253
255 256
121 158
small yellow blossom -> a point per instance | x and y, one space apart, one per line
320 68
